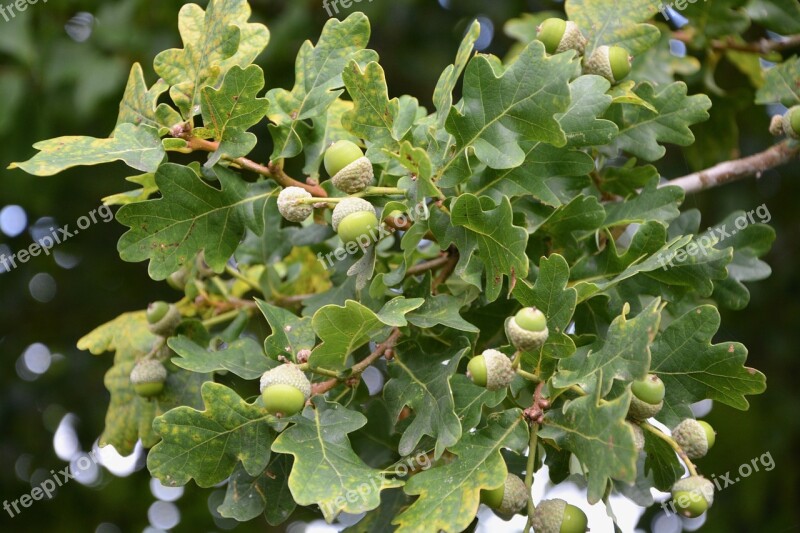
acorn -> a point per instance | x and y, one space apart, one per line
350 171
508 499
648 397
162 318
558 516
148 377
288 206
491 369
692 496
791 122
285 390
353 218
527 330
695 437
611 62
559 35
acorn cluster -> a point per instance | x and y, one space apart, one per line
611 62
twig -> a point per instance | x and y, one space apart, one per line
737 169
448 269
762 46
271 170
358 368
529 466
433 264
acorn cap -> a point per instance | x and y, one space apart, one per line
776 125
696 485
548 516
288 206
355 177
166 324
287 374
638 436
611 62
640 410
572 39
348 206
499 372
515 497
691 437
522 339
791 122
148 371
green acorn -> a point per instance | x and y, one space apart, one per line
791 122
648 397
285 390
559 35
288 206
611 62
491 369
353 218
355 177
695 437
527 330
148 377
162 318
558 516
508 499
692 496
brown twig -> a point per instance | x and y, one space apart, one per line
271 170
762 46
358 368
447 270
425 266
737 169
535 413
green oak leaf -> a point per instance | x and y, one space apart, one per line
693 369
318 81
140 105
661 463
628 178
138 146
232 109
659 65
449 494
596 432
327 129
500 109
580 122
143 193
780 84
550 294
649 238
380 520
214 41
326 471
469 400
342 330
443 94
651 203
441 309
190 216
608 22
500 244
267 493
780 16
641 130
290 333
373 115
207 445
244 357
420 379
543 165
623 355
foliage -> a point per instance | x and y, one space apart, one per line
538 187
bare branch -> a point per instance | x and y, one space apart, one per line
730 171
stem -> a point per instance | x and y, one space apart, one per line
528 375
433 264
517 360
762 46
737 169
376 191
221 318
244 279
358 368
318 200
271 170
529 466
674 445
321 371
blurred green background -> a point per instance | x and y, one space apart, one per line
53 85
